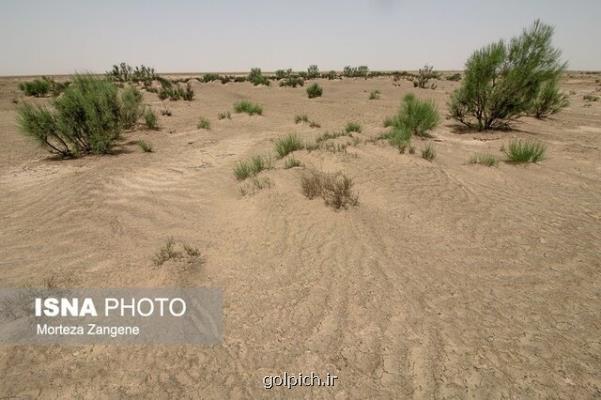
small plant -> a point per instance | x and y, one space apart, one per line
256 77
287 145
146 147
131 107
166 253
456 77
415 117
203 123
247 107
327 136
428 152
191 251
374 95
301 118
36 88
313 124
246 169
166 112
519 151
484 159
549 100
352 127
224 115
150 119
292 81
291 162
314 91
210 77
312 72
590 97
335 189
424 75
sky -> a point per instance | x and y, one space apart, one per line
64 36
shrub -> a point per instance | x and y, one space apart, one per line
245 106
293 81
351 72
125 73
549 100
150 119
484 159
282 74
210 77
374 95
417 117
428 152
424 75
352 127
146 147
85 119
224 115
256 77
501 81
301 118
312 72
292 162
335 189
331 75
175 92
456 77
189 93
203 123
590 97
314 91
36 88
287 145
256 164
519 151
131 106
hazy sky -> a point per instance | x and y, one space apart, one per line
63 36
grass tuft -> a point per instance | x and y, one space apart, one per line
428 153
292 162
249 168
287 145
484 159
314 91
224 115
203 123
519 151
352 127
146 147
335 189
247 107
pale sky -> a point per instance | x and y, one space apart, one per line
63 36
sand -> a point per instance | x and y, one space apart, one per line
447 281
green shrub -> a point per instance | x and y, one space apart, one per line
456 77
314 91
210 77
287 145
519 151
352 127
85 119
245 106
292 81
292 162
502 81
36 88
126 73
150 119
417 117
203 123
484 159
131 107
282 74
331 75
374 95
312 72
549 100
351 72
428 152
256 77
146 147
424 75
246 169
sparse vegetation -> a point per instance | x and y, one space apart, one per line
224 115
125 73
374 95
590 97
352 72
246 169
301 118
292 162
484 159
131 107
424 75
145 146
292 81
203 123
314 91
428 153
523 151
502 81
42 87
456 77
166 112
247 107
312 72
256 77
335 189
254 185
352 127
287 145
150 119
416 117
85 119
166 253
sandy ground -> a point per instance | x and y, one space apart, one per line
447 281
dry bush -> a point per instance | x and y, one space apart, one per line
334 188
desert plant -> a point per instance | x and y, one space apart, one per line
146 147
85 119
292 81
287 145
188 95
456 77
428 153
210 77
416 117
314 91
374 95
352 127
331 75
36 87
203 123
424 75
248 168
590 97
166 253
150 119
256 77
312 72
502 81
523 151
282 74
335 189
247 107
313 124
224 115
327 136
549 100
301 118
484 159
292 162
131 107
361 71
126 73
